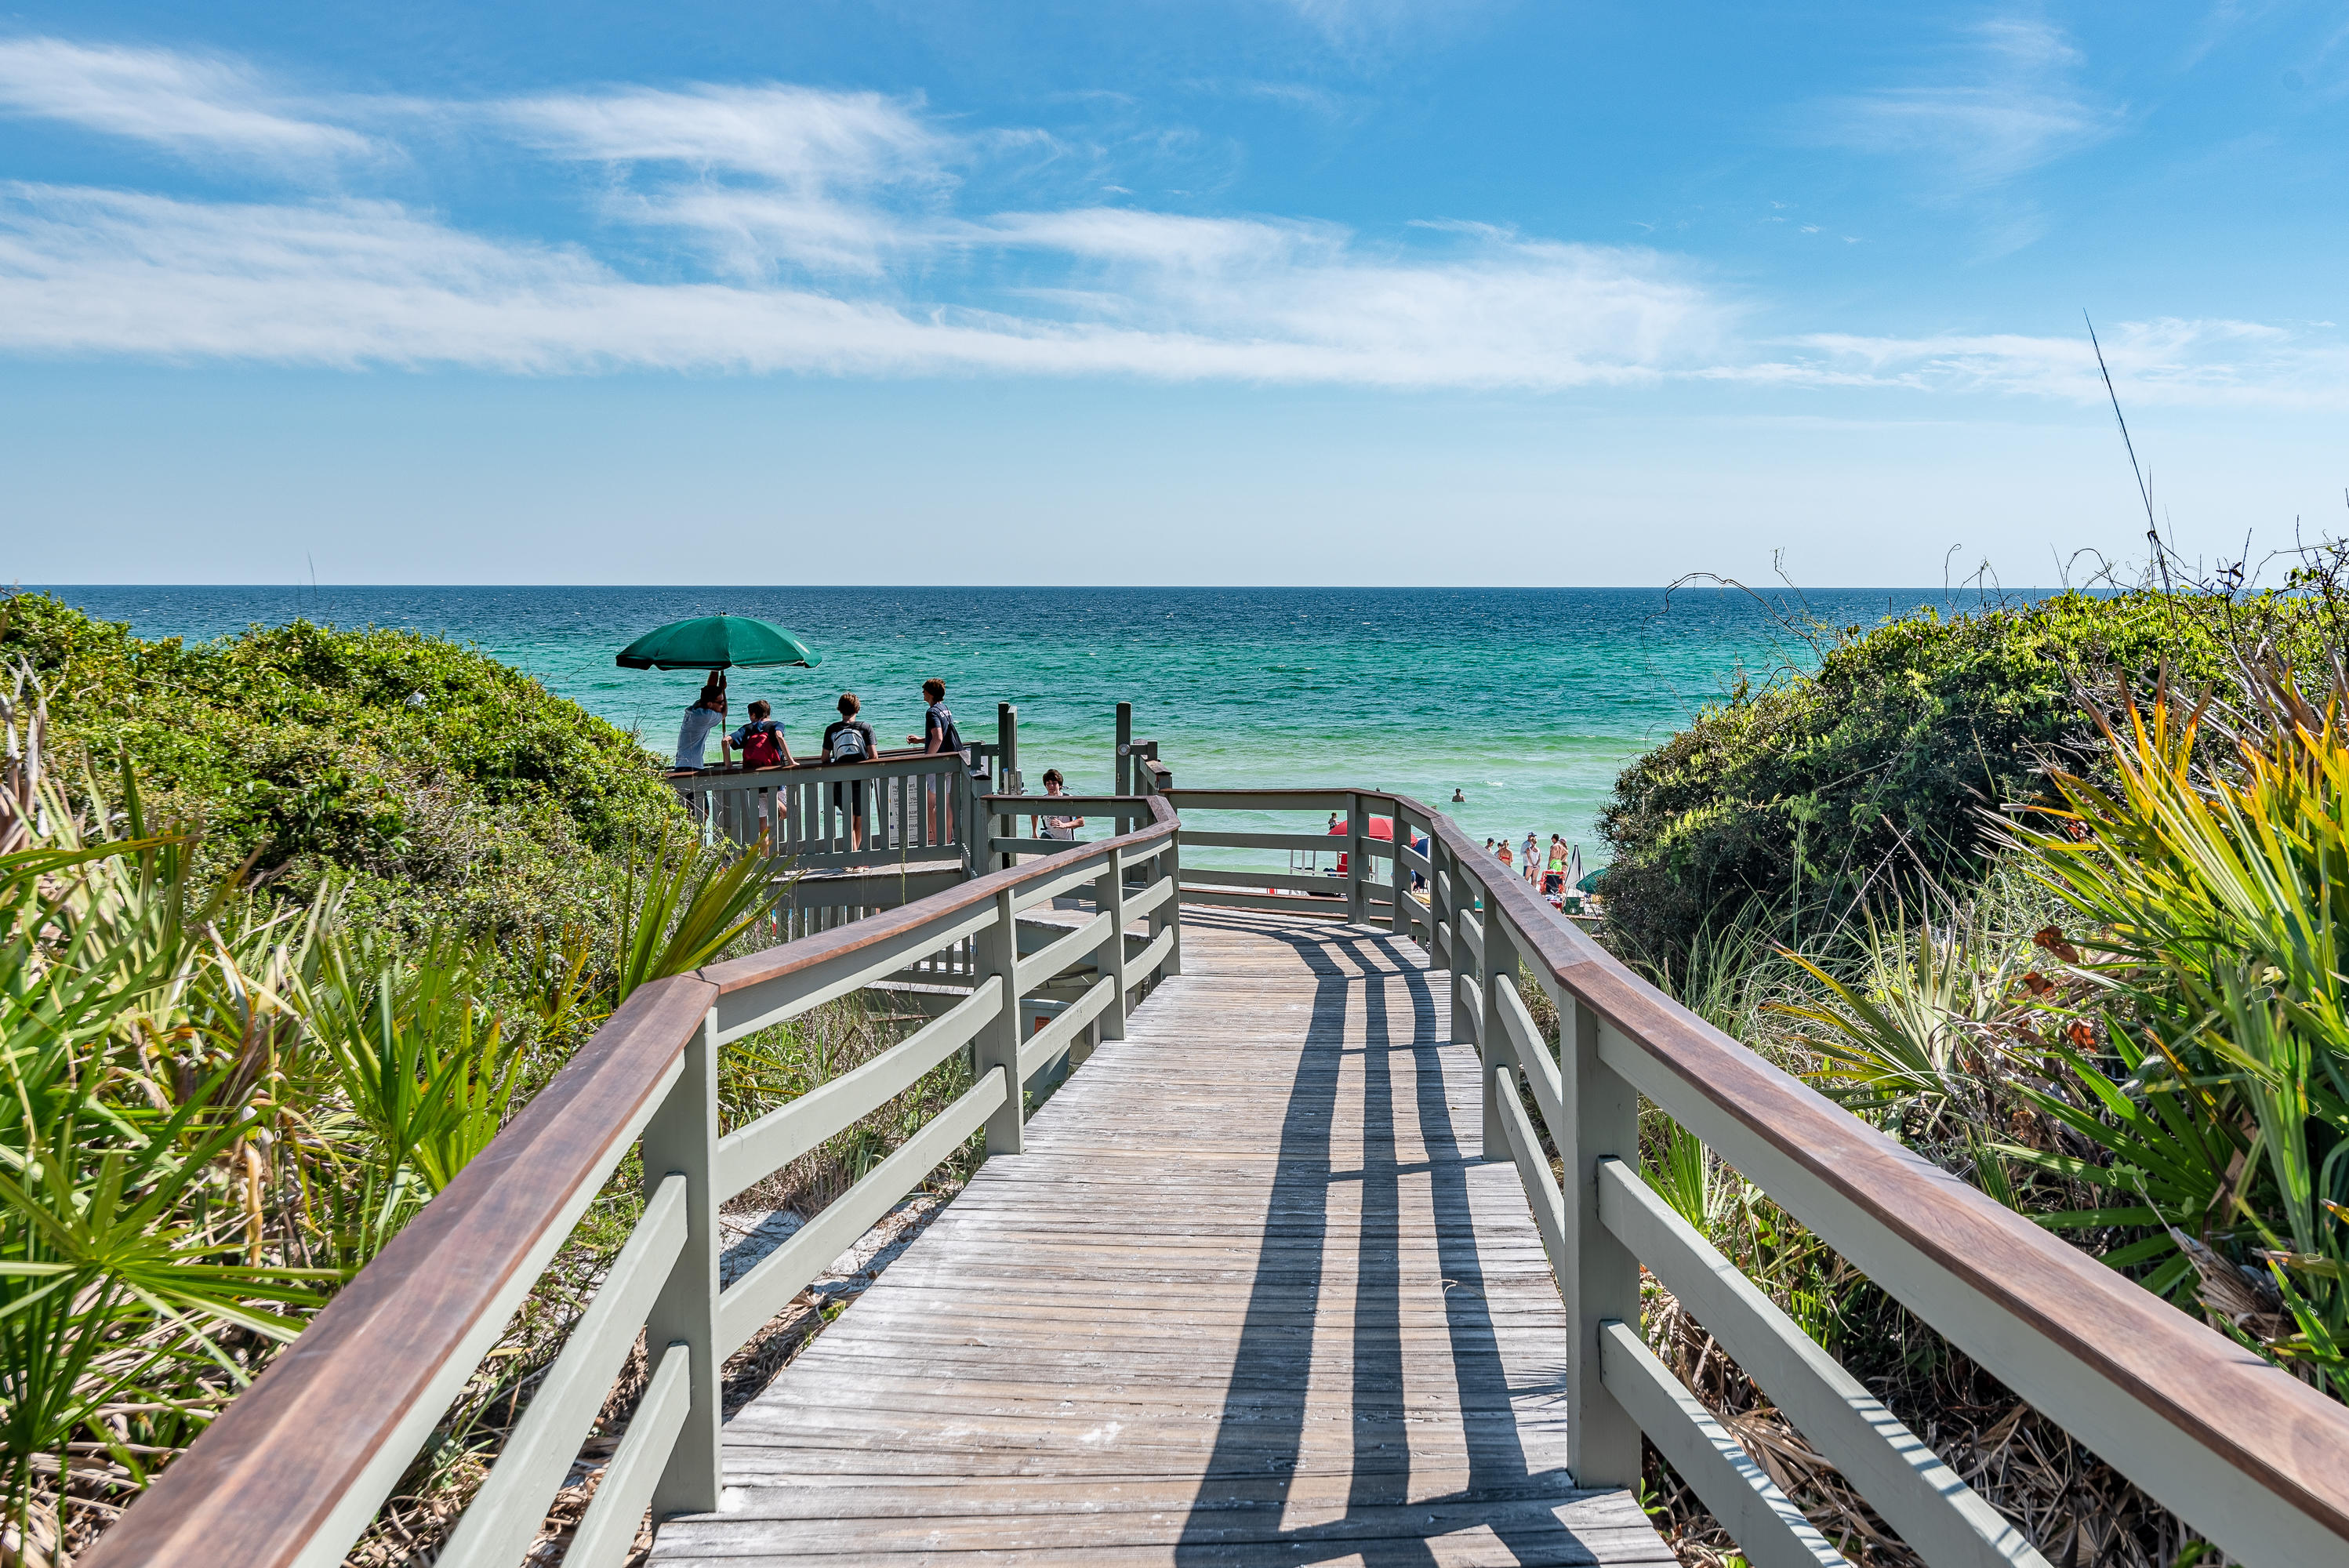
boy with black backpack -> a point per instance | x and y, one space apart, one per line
850 740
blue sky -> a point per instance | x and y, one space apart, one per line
1272 292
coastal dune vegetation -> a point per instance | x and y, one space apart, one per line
290 926
2052 894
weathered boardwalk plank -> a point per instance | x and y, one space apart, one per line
1251 1296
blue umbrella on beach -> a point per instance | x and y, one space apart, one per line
717 642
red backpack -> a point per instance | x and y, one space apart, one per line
759 747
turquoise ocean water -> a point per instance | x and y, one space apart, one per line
1528 701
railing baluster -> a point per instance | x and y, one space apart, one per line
998 1044
1463 893
1355 897
1110 894
682 1139
1168 916
1400 881
1494 1047
1603 1116
1439 906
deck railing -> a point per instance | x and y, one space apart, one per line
2240 1450
909 806
293 1470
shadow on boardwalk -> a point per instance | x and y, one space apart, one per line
1296 1238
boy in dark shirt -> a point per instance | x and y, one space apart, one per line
850 740
939 735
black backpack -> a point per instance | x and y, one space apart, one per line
954 742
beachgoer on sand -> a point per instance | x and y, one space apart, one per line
847 742
708 712
1532 855
1506 859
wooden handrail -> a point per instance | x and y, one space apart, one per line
294 1468
734 774
2244 1412
347 1404
877 930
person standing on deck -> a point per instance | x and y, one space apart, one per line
850 740
939 735
760 741
708 712
1059 827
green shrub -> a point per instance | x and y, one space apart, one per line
439 788
1867 780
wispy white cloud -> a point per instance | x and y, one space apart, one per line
188 104
356 283
2165 362
801 137
1368 30
2005 102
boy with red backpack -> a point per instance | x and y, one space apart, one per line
761 741
762 745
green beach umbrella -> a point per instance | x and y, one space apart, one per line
717 642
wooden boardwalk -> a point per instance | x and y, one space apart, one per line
1252 1295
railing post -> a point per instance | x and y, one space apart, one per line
1494 1047
1169 916
681 1138
997 1044
970 823
1125 748
1400 841
1006 746
1602 1119
1464 898
1354 838
1441 939
1007 738
1108 892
